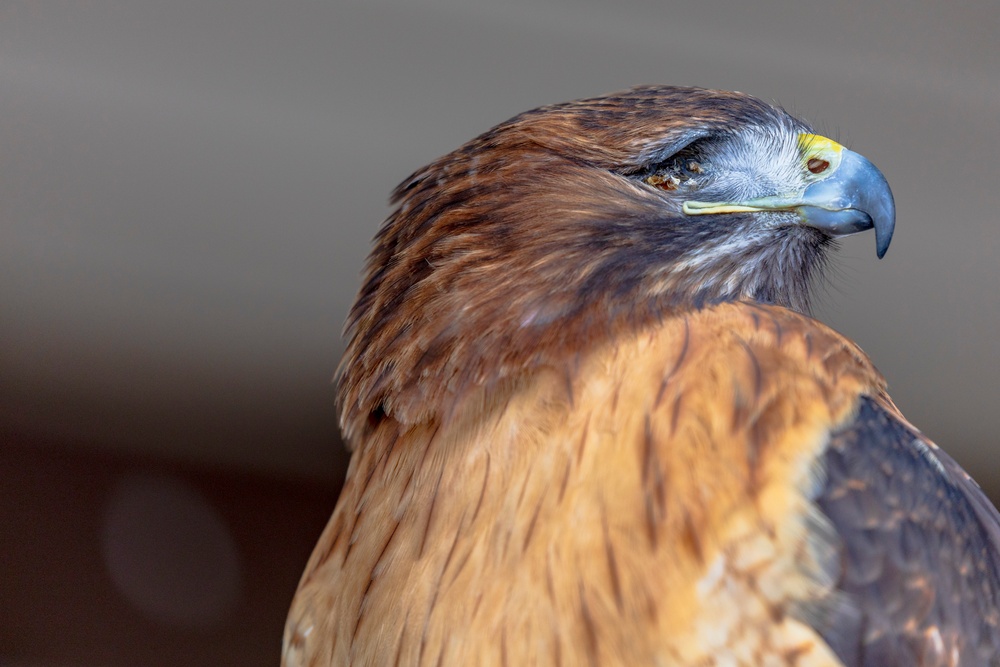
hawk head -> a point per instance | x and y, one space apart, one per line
571 223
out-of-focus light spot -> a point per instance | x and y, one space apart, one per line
169 553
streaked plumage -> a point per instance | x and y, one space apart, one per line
592 422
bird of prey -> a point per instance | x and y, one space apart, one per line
593 423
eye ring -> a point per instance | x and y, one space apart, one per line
817 165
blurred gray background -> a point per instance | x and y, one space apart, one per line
188 190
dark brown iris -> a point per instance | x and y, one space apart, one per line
817 165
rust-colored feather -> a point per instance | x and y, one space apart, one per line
662 520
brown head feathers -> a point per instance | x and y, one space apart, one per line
540 238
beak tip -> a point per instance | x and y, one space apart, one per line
885 224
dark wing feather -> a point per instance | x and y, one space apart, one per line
919 547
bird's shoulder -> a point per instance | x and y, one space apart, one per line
917 546
731 485
813 517
703 436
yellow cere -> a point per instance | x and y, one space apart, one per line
821 156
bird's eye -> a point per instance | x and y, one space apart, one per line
817 165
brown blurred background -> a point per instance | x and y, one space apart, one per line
187 191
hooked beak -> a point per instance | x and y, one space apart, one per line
848 195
